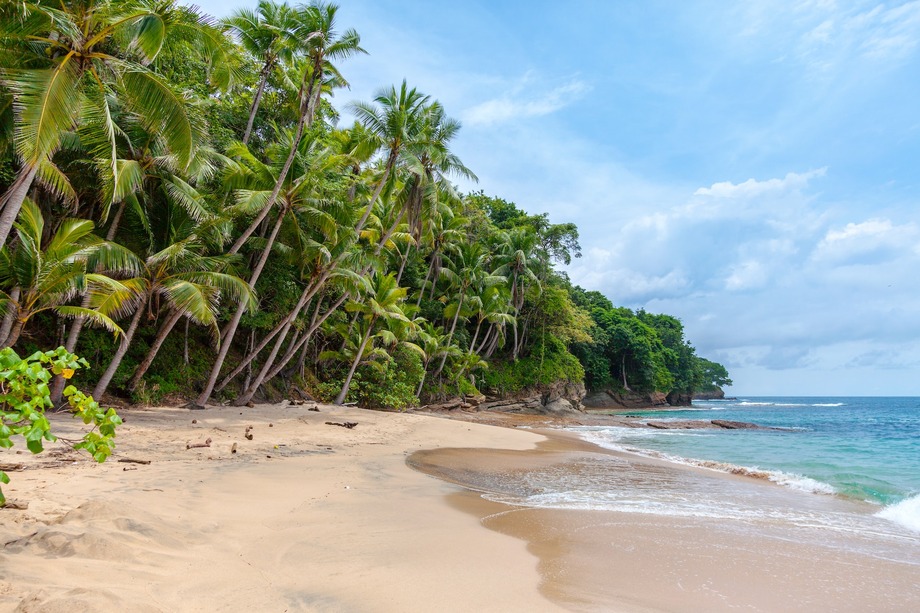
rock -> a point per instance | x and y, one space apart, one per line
716 394
737 425
678 399
610 399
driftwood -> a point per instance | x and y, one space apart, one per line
11 467
207 443
133 461
345 424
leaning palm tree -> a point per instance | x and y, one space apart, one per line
383 302
393 122
433 342
51 275
190 284
323 46
67 68
268 35
516 261
465 272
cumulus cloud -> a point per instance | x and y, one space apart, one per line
868 242
525 99
753 188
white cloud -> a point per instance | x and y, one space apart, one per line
525 100
752 187
868 242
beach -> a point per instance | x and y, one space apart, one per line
304 517
316 516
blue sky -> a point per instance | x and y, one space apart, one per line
750 167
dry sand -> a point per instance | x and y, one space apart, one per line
303 517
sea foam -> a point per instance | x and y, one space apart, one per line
906 513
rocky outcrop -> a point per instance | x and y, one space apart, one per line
716 394
678 399
560 398
698 424
610 399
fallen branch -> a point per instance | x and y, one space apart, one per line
133 461
12 467
207 443
346 424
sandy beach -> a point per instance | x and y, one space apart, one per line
304 517
310 516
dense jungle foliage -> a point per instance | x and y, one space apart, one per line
184 208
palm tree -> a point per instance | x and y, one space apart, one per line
324 44
516 262
465 270
49 277
191 285
394 123
433 342
383 302
267 34
69 67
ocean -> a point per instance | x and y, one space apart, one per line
849 465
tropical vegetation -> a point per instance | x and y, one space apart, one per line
184 206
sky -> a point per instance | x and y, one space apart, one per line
752 168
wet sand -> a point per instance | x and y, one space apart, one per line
600 560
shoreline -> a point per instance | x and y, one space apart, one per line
595 560
309 516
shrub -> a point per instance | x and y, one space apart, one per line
25 395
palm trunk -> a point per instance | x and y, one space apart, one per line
10 317
163 332
185 359
13 200
450 336
274 195
251 389
255 103
112 368
391 162
14 334
421 384
302 342
475 335
202 400
402 266
340 399
113 228
485 340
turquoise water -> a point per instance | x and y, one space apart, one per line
861 448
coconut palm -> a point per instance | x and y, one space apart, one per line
516 261
69 67
433 342
394 123
51 275
323 45
190 284
382 302
465 271
268 35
